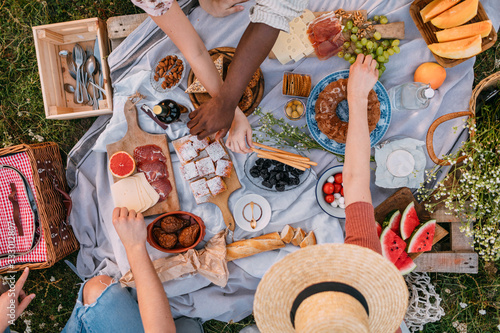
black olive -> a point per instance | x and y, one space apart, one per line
254 173
267 184
273 181
266 164
280 188
259 161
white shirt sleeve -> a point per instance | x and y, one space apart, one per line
277 13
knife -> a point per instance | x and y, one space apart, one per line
97 55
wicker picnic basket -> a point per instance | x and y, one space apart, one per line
486 83
53 208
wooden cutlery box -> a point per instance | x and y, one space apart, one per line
49 41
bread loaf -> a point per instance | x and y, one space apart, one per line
287 234
247 247
298 237
310 239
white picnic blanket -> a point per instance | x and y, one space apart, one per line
193 296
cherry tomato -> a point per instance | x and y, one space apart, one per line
342 192
329 198
338 178
328 188
337 188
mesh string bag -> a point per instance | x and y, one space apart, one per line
424 304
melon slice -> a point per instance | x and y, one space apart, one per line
458 49
456 15
392 220
465 31
405 264
392 245
409 221
422 237
379 229
435 8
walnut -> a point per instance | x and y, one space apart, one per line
188 235
173 223
165 240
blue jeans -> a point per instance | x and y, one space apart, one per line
115 310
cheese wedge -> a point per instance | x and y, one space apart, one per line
299 29
197 87
307 16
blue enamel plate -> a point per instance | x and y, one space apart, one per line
343 112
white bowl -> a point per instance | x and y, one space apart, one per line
320 196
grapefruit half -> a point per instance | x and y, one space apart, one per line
121 164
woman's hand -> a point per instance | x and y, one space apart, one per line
362 77
130 227
221 8
240 134
14 301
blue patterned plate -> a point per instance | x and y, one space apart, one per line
343 112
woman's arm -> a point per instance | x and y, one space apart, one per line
152 299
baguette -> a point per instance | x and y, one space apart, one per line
287 234
310 239
247 247
298 237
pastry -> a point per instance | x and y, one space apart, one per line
173 223
246 100
216 185
188 235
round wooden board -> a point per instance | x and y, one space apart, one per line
228 53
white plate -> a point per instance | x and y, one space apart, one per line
239 210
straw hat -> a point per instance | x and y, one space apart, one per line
331 288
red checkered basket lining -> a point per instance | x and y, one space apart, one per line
22 243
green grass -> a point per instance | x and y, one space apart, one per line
22 120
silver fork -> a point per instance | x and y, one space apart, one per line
79 59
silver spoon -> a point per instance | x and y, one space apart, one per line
69 62
70 89
90 67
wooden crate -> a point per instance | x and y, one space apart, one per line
52 38
460 258
119 27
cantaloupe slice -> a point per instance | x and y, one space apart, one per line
458 49
465 31
456 15
435 8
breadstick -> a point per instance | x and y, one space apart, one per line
302 167
260 145
247 247
283 155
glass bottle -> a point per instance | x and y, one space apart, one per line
167 111
411 96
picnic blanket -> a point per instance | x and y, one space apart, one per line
101 250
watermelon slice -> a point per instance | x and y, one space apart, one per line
405 264
392 220
409 221
379 229
392 245
422 237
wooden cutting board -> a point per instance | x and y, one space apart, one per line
222 200
399 200
227 53
136 137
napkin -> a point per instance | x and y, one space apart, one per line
400 163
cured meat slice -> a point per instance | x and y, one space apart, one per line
148 153
163 187
153 171
325 34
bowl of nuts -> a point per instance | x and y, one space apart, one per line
175 232
168 73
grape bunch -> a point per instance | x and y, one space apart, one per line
360 40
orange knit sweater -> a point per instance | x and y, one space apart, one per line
360 226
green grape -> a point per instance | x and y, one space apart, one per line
386 60
390 51
364 41
376 18
396 49
340 54
377 35
386 55
354 30
372 55
358 51
395 42
376 44
359 45
347 56
386 43
349 25
345 29
380 58
352 60
377 65
347 45
369 44
382 68
380 50
383 20
354 38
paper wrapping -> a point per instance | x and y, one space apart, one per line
209 262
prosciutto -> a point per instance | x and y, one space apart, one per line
153 171
163 187
151 160
148 153
325 34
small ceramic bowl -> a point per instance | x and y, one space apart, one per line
320 196
178 248
292 109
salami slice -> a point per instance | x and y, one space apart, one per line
148 154
153 171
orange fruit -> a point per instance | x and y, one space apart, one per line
121 164
430 73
